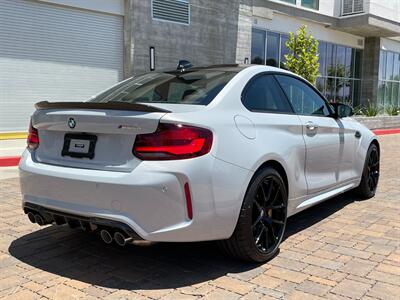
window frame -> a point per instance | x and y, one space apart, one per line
292 2
247 86
328 105
313 8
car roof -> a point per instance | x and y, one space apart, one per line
229 68
220 67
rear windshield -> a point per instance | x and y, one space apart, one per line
193 87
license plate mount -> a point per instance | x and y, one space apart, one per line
79 145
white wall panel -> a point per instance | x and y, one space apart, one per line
286 24
49 52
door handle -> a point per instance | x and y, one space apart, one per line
311 126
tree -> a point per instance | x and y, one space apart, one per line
303 55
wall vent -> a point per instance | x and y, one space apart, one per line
176 11
352 7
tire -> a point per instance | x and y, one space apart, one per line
263 215
370 174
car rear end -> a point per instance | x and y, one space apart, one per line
115 166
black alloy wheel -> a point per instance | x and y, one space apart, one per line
370 175
373 169
262 220
269 214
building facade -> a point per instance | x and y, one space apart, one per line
68 50
359 44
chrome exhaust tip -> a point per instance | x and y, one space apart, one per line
31 217
39 220
106 236
120 239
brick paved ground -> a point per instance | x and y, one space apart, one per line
341 249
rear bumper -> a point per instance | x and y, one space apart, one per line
150 199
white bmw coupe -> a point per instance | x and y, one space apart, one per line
224 153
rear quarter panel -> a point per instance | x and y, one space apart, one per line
267 136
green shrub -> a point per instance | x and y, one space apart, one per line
358 110
371 110
392 110
303 56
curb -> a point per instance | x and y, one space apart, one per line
13 135
12 161
9 161
386 131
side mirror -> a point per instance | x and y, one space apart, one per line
342 110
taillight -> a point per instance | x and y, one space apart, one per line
171 141
33 137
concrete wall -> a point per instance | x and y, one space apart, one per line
245 20
211 37
370 69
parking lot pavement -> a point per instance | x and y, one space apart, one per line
341 249
8 172
12 147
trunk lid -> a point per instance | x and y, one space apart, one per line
68 131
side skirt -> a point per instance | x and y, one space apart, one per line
303 203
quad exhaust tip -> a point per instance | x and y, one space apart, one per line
31 217
39 220
121 239
106 236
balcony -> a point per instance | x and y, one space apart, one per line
367 18
370 18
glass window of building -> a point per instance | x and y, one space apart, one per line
340 66
348 62
322 58
340 73
340 62
330 60
382 65
289 1
314 4
389 79
258 47
272 49
357 63
396 67
320 84
284 50
356 93
389 66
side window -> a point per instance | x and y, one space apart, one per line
264 94
304 99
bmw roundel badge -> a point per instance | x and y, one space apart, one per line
71 123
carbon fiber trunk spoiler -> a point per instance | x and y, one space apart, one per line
97 105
